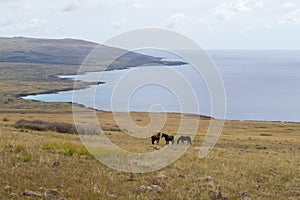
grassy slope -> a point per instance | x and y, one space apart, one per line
63 52
267 167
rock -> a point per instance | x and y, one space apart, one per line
112 196
244 195
149 189
152 188
53 192
217 195
208 178
8 188
142 189
13 195
33 194
56 164
160 180
157 188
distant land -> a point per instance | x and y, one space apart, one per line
31 66
71 52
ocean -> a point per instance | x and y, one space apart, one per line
259 85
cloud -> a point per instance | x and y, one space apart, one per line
293 17
121 23
131 3
229 8
173 19
27 7
259 4
35 23
178 16
73 6
289 5
7 23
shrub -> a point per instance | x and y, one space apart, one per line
111 128
5 119
67 149
266 134
38 125
20 148
27 158
70 151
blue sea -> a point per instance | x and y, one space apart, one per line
259 85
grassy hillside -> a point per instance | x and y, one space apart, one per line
252 160
62 52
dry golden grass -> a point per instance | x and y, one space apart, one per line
266 166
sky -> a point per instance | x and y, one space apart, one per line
214 24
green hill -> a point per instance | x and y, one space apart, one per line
65 52
71 52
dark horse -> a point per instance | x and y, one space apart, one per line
168 138
182 138
155 138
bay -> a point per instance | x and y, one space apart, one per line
259 85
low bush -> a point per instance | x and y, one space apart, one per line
265 134
38 125
5 119
111 128
27 158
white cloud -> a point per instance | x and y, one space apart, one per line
173 20
293 17
259 4
27 7
178 16
121 23
73 6
229 8
7 23
224 11
289 5
242 6
131 3
35 23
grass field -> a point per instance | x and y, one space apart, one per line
257 160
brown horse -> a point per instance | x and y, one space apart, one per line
168 138
155 138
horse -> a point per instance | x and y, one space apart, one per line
182 138
155 138
168 138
